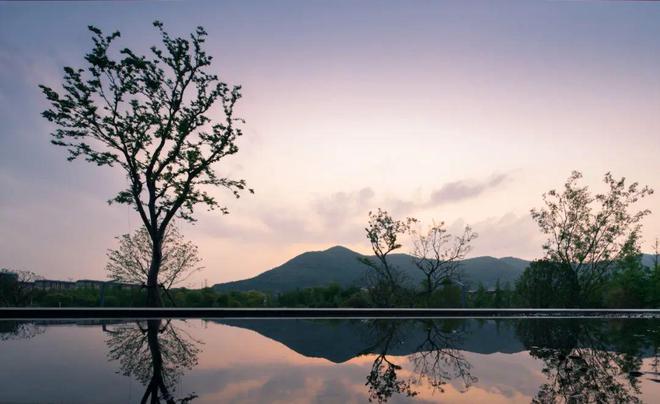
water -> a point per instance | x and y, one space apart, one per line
342 361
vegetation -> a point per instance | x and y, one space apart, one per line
631 287
130 263
589 234
150 115
14 287
386 281
438 255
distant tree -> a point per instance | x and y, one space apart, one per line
546 284
150 115
386 281
481 297
130 262
438 255
654 284
586 232
16 287
629 286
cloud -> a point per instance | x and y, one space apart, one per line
466 189
508 235
337 208
451 192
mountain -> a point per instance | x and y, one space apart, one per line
341 266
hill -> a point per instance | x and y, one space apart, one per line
341 266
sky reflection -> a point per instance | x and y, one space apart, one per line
205 361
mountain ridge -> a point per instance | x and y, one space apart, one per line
340 265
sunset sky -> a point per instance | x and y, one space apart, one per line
460 111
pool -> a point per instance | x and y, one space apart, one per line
336 361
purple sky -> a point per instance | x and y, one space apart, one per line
460 111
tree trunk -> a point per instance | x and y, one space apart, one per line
153 293
429 290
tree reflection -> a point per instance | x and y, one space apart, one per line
156 353
580 363
435 361
383 380
13 330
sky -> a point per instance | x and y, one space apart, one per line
462 112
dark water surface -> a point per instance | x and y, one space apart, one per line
336 361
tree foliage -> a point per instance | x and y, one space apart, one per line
151 116
587 232
131 261
386 281
438 254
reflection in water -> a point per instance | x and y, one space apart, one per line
19 330
382 379
436 358
582 362
539 360
156 354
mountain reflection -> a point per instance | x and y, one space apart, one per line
584 360
380 360
156 353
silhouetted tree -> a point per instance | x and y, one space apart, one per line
438 255
130 263
149 115
587 232
385 280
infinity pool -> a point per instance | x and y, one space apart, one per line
330 361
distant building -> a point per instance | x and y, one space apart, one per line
89 284
47 284
92 284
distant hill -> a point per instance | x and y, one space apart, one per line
340 265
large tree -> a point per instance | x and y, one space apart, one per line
151 116
131 261
587 233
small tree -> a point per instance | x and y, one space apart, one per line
130 262
438 255
587 232
150 115
386 281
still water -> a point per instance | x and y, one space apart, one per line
330 361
